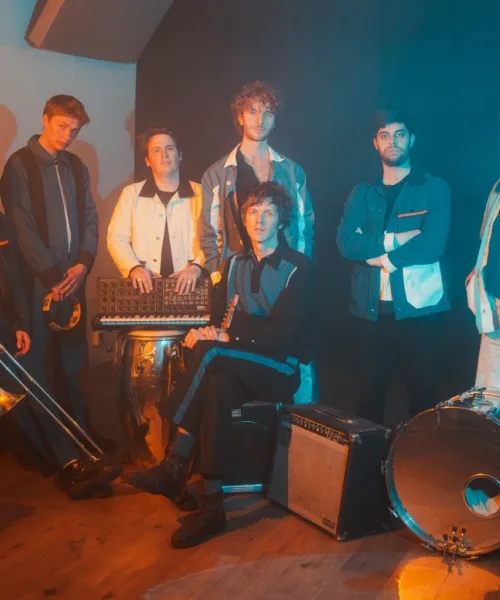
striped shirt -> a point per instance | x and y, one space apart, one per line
275 311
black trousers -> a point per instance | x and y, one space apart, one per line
58 365
219 378
408 350
41 430
57 360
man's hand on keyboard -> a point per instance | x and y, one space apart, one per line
187 279
141 280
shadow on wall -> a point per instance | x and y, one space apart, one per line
103 266
8 133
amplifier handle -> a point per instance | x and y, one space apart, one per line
332 413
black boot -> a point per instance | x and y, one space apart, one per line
167 479
82 480
209 521
187 502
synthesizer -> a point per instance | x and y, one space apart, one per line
119 305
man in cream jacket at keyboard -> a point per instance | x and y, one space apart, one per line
395 233
154 227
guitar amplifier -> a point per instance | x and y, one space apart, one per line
252 439
253 435
328 469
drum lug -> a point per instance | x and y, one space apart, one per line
429 546
383 467
393 513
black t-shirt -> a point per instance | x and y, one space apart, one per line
165 197
245 181
391 193
167 263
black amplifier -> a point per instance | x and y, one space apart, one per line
328 469
253 434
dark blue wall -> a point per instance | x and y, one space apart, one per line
335 63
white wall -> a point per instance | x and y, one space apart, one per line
28 77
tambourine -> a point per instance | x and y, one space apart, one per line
76 313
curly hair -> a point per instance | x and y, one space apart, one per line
278 196
69 106
257 90
152 130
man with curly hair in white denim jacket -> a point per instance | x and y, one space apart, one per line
227 182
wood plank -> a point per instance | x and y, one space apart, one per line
119 549
470 581
431 576
368 569
13 475
415 577
288 564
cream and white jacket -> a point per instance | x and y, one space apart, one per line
484 306
137 227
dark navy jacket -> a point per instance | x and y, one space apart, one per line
40 226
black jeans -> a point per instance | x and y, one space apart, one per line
219 378
410 349
56 361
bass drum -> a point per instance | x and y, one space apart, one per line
443 474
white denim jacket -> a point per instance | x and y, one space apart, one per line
137 227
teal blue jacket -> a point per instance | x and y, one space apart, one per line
416 277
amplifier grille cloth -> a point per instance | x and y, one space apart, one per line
311 479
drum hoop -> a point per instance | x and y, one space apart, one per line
458 402
396 502
486 391
397 505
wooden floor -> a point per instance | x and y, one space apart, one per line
118 548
